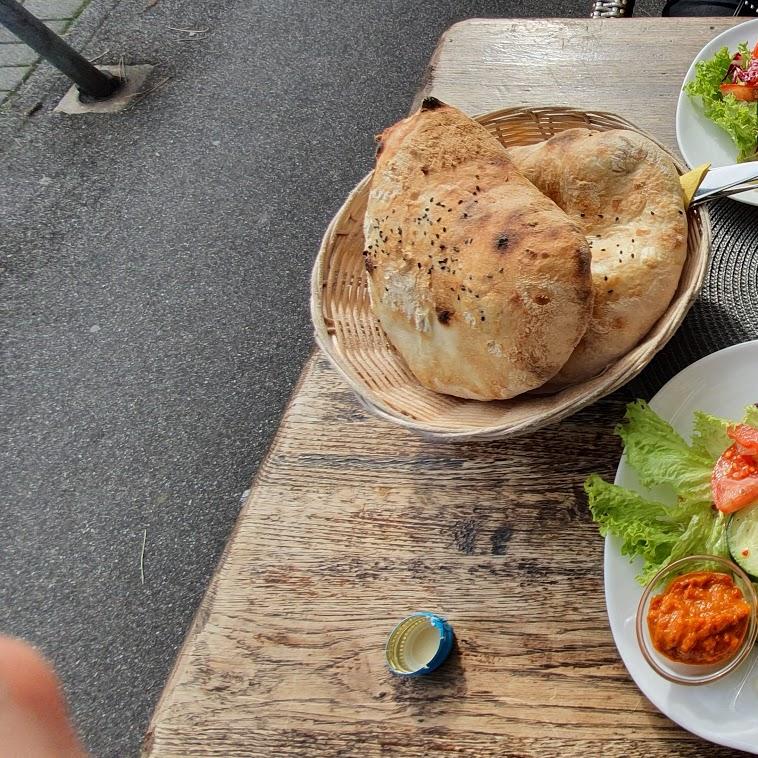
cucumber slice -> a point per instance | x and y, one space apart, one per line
742 537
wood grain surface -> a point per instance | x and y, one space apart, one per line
632 67
352 524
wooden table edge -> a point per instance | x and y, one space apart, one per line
200 618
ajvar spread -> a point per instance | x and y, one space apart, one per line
701 618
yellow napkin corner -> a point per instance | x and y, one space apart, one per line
691 181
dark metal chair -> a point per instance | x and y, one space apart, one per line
625 8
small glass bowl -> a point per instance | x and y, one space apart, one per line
690 673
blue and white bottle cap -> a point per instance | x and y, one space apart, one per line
419 644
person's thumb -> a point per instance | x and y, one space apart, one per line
34 721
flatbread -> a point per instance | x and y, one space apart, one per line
480 282
624 191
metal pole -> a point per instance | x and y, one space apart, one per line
29 29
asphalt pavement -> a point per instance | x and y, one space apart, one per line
153 319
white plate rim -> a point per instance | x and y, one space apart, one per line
610 554
727 37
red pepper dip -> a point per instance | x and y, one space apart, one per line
701 618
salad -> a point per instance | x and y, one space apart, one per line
714 481
727 85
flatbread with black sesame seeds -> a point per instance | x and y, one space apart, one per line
480 282
624 192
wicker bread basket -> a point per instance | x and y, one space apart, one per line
351 337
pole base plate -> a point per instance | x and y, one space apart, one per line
135 78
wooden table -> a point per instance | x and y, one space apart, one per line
352 523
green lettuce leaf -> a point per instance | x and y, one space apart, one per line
751 415
705 535
746 54
708 76
645 527
709 435
660 456
739 119
652 531
709 432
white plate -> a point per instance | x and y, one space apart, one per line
700 140
725 711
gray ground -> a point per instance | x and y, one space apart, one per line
154 318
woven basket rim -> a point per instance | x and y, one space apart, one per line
375 404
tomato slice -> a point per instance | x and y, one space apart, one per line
734 482
746 438
740 91
755 51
